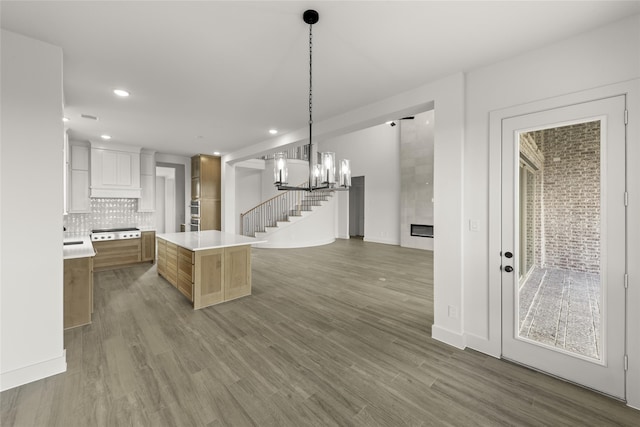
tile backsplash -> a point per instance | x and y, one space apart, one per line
110 213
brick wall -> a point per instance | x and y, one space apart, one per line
531 167
568 225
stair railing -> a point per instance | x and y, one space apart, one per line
269 212
278 208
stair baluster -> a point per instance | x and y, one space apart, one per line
280 208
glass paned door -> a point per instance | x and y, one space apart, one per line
563 215
560 296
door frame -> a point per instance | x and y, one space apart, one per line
359 222
631 89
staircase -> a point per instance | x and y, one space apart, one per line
270 219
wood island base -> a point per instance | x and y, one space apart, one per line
206 276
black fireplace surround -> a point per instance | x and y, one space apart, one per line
422 230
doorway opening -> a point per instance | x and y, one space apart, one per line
356 208
170 197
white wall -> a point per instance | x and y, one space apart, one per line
375 154
160 205
166 200
315 228
594 59
248 191
167 160
170 205
31 276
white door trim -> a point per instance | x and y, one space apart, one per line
630 88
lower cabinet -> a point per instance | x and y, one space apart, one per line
78 291
209 276
210 218
237 272
116 253
185 272
148 246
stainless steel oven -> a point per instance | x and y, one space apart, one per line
195 208
194 225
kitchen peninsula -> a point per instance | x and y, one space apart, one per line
207 267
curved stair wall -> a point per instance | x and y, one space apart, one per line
293 219
315 227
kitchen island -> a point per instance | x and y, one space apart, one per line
207 267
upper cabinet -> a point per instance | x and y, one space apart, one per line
147 201
205 187
115 170
205 177
65 173
78 185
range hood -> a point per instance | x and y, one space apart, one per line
115 171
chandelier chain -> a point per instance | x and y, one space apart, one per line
310 74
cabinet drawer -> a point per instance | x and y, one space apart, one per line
185 285
172 264
186 255
185 268
172 250
116 252
172 276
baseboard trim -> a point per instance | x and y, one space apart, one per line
293 245
383 241
34 372
483 345
448 337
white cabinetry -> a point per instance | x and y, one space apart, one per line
115 170
147 201
65 174
78 192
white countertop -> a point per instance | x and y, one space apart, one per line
83 250
210 239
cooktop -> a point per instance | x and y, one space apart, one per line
114 230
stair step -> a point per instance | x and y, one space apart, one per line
307 204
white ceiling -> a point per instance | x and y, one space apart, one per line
215 75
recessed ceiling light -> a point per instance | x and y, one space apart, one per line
216 153
65 119
105 137
121 92
273 131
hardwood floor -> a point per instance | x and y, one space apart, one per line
333 335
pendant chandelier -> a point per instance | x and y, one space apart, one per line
322 175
